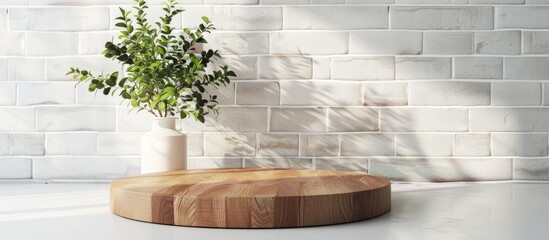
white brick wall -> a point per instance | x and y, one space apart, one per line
443 43
406 89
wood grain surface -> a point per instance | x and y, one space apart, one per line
250 198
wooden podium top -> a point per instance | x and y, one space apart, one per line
250 198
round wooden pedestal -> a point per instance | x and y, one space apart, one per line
251 198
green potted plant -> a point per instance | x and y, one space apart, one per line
164 75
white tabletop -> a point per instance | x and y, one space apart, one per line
506 210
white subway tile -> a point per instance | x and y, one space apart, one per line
13 43
516 94
284 2
239 42
3 69
320 93
3 18
305 43
442 17
357 119
331 17
535 42
227 2
424 119
285 67
530 169
4 144
91 43
258 93
112 144
100 2
8 94
85 167
26 69
522 17
449 93
15 168
45 93
343 164
205 163
14 2
435 145
278 144
83 2
51 119
231 119
294 163
71 144
316 145
497 42
527 145
423 67
370 1
386 42
478 67
229 144
527 68
545 94
482 2
235 18
322 68
133 121
329 1
298 120
385 94
537 2
245 67
368 144
195 144
51 44
16 119
442 169
472 145
27 144
363 68
59 19
432 1
509 120
225 94
447 43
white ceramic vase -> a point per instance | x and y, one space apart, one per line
163 148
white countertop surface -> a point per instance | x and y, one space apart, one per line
445 211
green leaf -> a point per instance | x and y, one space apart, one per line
106 91
201 118
121 24
206 19
161 106
92 87
122 81
161 50
231 74
125 95
170 90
